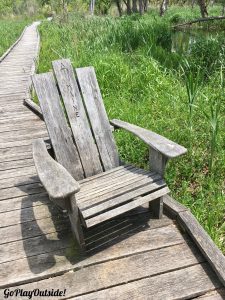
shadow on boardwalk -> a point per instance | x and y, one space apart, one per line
42 248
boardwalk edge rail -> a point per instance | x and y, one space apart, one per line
205 244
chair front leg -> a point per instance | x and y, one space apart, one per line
75 221
157 163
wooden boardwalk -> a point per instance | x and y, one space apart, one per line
132 257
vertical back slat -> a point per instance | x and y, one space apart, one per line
59 132
98 117
77 117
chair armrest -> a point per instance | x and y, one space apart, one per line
159 143
55 178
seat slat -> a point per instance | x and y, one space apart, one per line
114 181
77 117
59 132
122 199
104 175
127 207
115 191
98 117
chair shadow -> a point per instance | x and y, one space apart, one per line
41 249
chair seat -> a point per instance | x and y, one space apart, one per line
117 191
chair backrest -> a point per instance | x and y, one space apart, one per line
77 122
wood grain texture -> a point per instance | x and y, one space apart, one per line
110 203
215 295
98 117
33 107
93 278
125 207
198 279
70 258
77 117
55 178
213 255
59 132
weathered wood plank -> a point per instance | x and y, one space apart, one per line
15 156
49 263
77 117
215 295
117 191
25 142
28 214
181 284
24 135
18 203
205 243
33 229
126 207
103 175
33 246
54 177
65 151
93 278
15 150
17 181
18 172
22 190
172 206
89 211
8 165
113 179
98 117
33 107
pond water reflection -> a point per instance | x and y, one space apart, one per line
182 40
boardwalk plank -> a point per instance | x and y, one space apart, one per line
93 278
198 279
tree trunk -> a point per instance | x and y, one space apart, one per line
141 7
203 8
134 6
92 7
223 10
118 5
128 3
164 6
146 2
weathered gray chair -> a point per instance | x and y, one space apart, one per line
88 179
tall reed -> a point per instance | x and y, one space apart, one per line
213 117
193 81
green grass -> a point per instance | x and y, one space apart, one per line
141 82
10 30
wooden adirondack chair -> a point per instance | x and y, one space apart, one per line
88 179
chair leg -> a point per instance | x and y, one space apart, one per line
76 222
156 206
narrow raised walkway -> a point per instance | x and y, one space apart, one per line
132 257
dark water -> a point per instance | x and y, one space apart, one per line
183 40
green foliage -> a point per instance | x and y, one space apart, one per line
9 32
193 83
175 19
208 53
